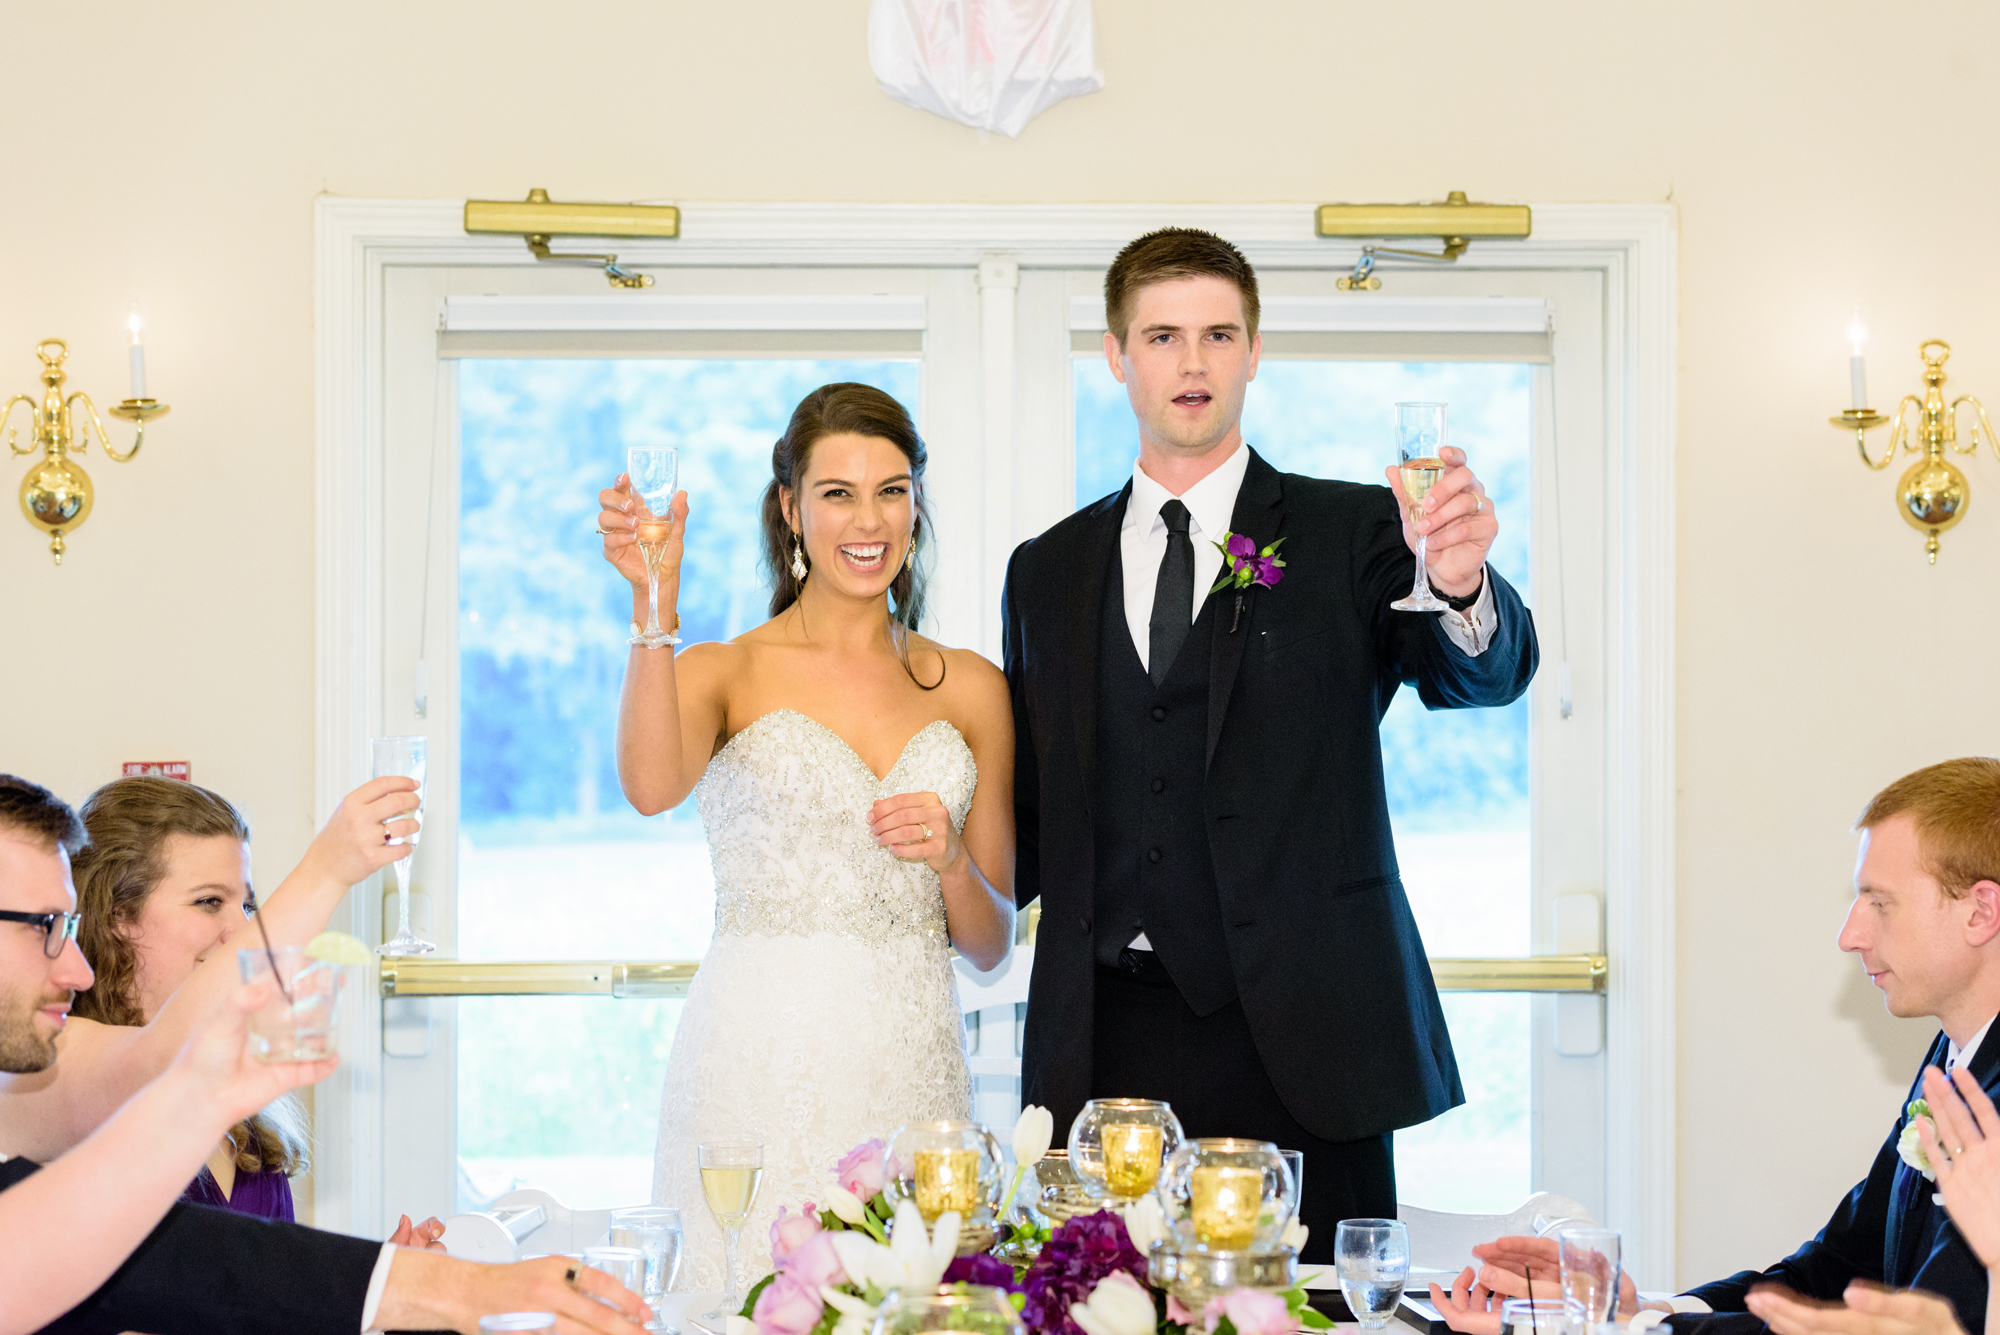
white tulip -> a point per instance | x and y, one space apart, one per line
1145 1222
1295 1234
846 1206
1032 1134
856 1316
1119 1305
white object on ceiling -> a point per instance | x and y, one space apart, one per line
990 64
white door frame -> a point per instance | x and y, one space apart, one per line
1633 248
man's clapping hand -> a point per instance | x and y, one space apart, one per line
1868 1310
1964 1153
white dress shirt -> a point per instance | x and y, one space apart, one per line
1142 545
376 1283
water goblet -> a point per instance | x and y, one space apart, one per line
656 1231
627 1265
1420 432
403 757
653 470
1372 1257
1591 1264
1532 1316
730 1175
976 1308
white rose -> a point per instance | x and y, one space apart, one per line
1119 1305
1032 1134
1912 1150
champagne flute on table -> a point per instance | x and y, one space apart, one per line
403 757
653 470
1420 456
730 1175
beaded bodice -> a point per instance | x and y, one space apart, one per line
785 806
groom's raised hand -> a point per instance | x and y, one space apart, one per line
1458 519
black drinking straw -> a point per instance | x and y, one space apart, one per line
250 907
1528 1269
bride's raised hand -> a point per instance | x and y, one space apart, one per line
618 520
916 826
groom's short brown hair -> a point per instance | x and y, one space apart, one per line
1169 254
1957 809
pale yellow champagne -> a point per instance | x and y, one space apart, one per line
730 1191
1419 476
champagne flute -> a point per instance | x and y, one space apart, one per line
653 470
1419 453
730 1175
403 757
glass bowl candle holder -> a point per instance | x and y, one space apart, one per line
1118 1146
958 1307
1227 1195
950 1166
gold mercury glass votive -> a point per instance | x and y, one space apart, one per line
947 1180
1131 1157
1225 1204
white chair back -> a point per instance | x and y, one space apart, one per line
524 1223
1443 1240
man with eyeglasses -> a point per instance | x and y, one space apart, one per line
201 1270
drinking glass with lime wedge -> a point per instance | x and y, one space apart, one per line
301 1020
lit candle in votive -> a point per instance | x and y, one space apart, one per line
1857 369
138 354
1132 1157
1225 1202
947 1180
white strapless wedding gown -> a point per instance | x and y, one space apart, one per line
825 1011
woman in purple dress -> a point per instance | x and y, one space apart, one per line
163 884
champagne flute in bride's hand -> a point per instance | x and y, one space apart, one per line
730 1174
653 470
1420 456
404 758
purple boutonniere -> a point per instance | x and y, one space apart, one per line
1244 565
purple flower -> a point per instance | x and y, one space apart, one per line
980 1268
1082 1252
1241 545
1267 570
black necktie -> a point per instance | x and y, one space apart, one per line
1173 594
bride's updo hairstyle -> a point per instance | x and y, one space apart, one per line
840 410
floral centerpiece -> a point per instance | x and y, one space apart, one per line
834 1266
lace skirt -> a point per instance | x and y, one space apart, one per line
809 1045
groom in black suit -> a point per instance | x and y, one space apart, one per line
1198 778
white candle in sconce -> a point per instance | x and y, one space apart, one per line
138 353
1857 367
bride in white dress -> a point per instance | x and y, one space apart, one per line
855 782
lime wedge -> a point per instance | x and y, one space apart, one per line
338 948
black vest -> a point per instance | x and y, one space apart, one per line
1154 870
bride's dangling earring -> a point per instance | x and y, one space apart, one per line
798 562
910 555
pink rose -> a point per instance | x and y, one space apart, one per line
787 1307
789 1232
1178 1314
1252 1313
861 1171
816 1263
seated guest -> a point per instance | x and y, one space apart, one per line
1926 925
77 1233
44 1114
163 884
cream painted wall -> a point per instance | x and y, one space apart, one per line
173 152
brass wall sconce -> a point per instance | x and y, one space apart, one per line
1454 223
56 494
539 220
1933 494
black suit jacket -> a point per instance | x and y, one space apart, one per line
211 1272
1887 1230
1328 965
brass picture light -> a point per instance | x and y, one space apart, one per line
1454 223
1932 494
539 220
56 494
